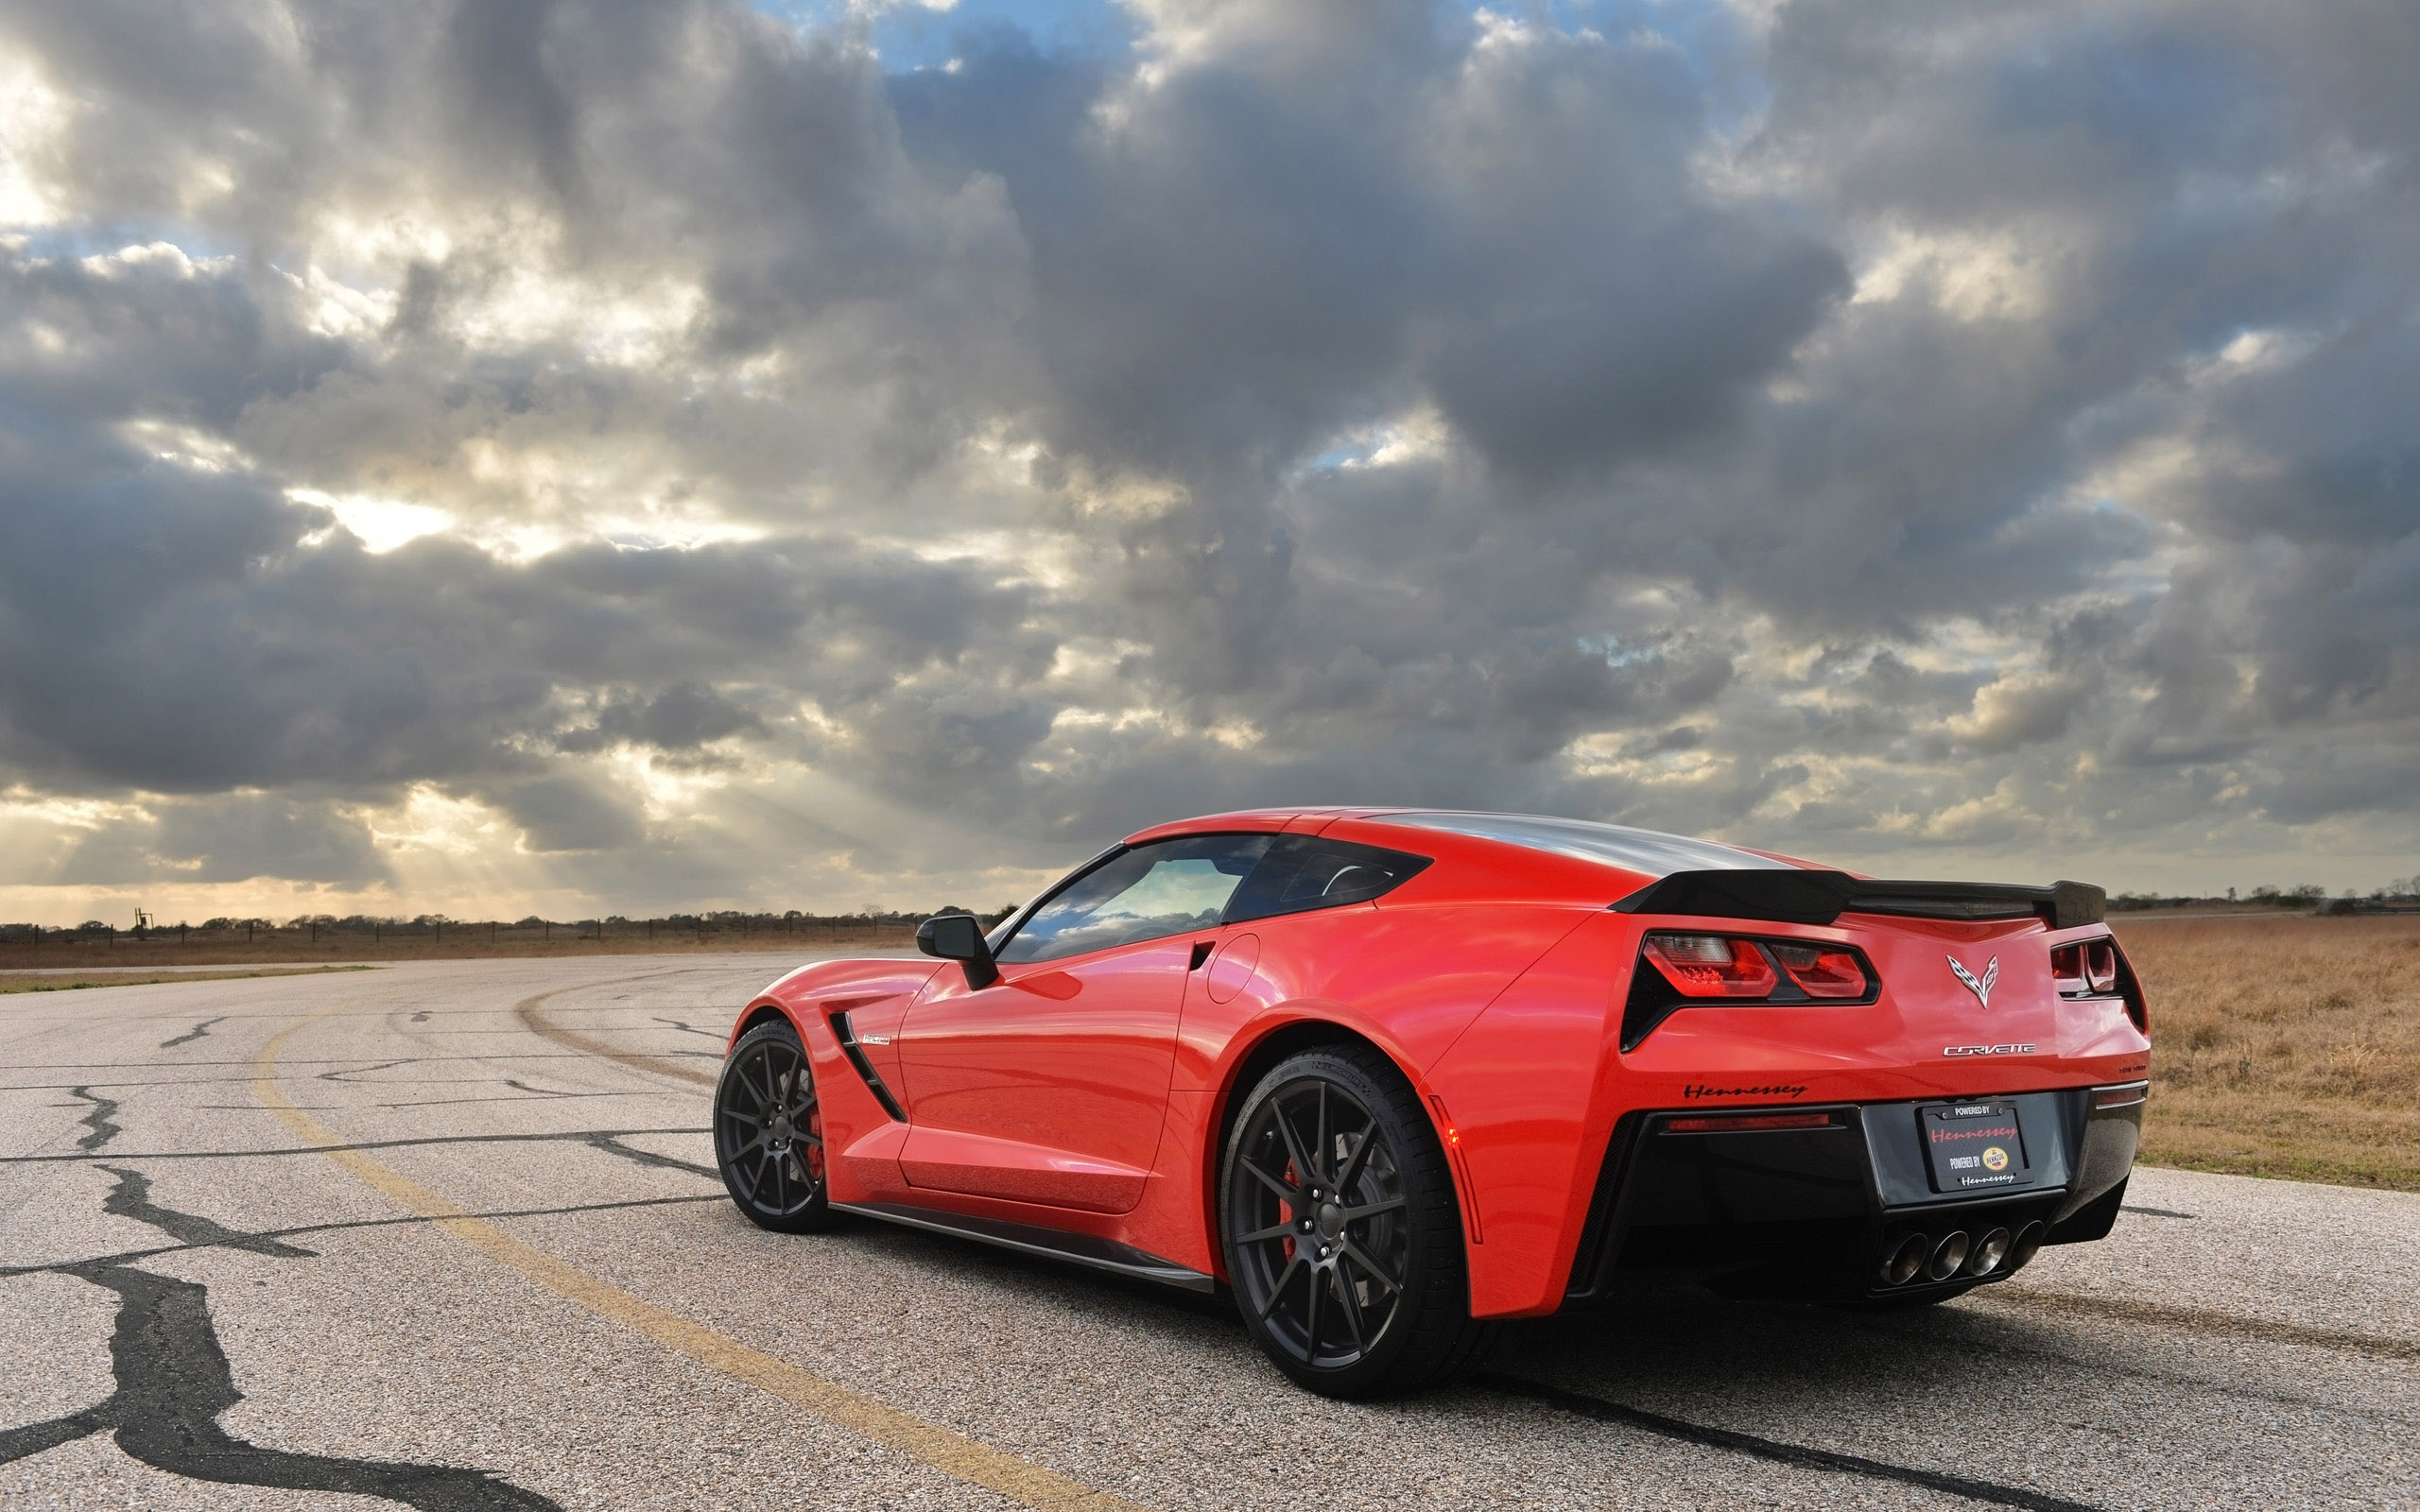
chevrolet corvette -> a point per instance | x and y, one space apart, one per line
1393 1076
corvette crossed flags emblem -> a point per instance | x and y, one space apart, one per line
1982 990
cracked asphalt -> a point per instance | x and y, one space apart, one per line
447 1236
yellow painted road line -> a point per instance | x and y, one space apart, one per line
945 1449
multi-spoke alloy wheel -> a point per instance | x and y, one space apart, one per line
769 1134
1341 1231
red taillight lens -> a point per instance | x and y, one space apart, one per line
1736 1122
2101 965
1820 973
2087 968
2067 971
1712 966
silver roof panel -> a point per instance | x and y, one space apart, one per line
1650 852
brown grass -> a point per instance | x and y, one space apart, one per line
71 981
2286 1046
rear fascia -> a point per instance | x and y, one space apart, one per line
1539 1084
1810 1213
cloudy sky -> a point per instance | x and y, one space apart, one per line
487 456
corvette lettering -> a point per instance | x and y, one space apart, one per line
1987 1050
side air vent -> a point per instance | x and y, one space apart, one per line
857 1054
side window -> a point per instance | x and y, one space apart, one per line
1302 873
1165 887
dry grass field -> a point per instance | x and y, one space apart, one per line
2284 1045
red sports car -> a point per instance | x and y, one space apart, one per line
1393 1076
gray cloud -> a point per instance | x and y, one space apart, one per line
228 838
1943 439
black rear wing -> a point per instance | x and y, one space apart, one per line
1821 897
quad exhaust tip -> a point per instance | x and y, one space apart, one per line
1989 1251
1948 1257
1957 1253
1905 1259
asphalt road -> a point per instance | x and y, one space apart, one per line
446 1236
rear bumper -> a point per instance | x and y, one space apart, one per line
1816 1211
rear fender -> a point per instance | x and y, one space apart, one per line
1529 1089
1269 1038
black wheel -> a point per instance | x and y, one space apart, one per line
1343 1235
769 1132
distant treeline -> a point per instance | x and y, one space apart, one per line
2398 894
723 922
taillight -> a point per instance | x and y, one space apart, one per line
2067 971
1712 966
1820 973
2101 965
1694 970
2085 969
1727 966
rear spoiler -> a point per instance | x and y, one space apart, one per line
1820 897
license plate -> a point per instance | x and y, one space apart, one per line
1975 1146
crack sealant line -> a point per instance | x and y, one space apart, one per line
945 1449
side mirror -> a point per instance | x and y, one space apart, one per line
957 938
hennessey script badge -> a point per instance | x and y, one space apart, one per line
1982 988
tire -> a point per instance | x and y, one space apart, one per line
1364 1296
769 1132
